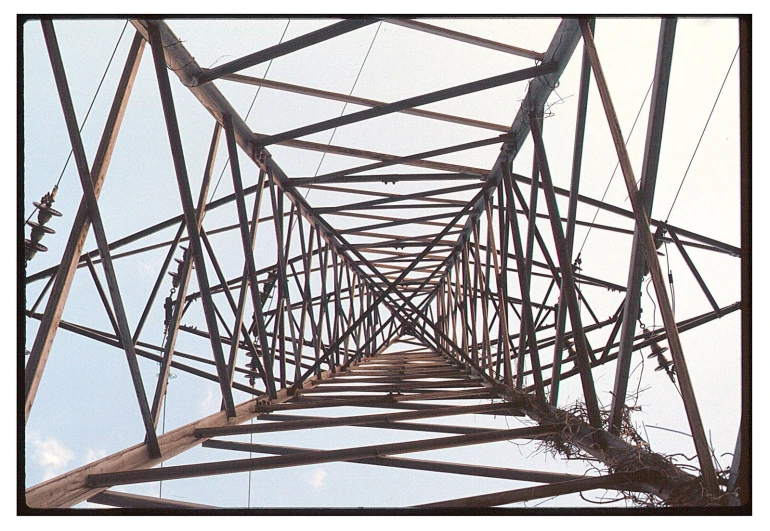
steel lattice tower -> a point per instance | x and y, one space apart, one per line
412 303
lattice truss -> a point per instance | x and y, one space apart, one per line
348 281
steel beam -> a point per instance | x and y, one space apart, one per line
315 457
694 271
567 280
648 245
414 464
124 500
425 99
355 100
172 327
248 254
577 162
284 48
464 37
189 212
647 190
65 272
94 215
618 481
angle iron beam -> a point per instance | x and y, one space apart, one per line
354 420
365 102
568 281
416 464
183 182
316 457
647 191
247 248
464 37
577 163
642 220
92 207
125 500
417 101
184 274
284 48
618 481
65 271
694 271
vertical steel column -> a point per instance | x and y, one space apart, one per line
251 268
526 310
189 213
49 323
184 281
502 303
568 280
577 161
642 220
647 191
245 281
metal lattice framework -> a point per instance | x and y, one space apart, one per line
385 310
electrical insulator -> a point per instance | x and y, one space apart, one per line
176 276
269 285
663 363
45 212
168 306
252 366
658 236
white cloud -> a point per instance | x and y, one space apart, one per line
94 455
147 269
51 455
210 403
317 479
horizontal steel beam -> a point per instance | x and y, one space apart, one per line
125 500
619 481
464 37
365 102
310 458
284 48
425 99
413 464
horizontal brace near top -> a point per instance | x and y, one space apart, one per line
417 101
365 102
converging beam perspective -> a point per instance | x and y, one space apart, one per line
357 264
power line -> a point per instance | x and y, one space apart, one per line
628 138
702 133
88 113
227 162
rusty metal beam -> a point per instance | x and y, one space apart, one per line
284 48
637 268
183 182
309 458
648 245
567 280
425 99
94 215
365 102
125 500
464 37
65 272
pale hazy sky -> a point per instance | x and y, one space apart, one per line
66 437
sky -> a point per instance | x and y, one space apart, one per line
82 417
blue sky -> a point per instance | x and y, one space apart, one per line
85 407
